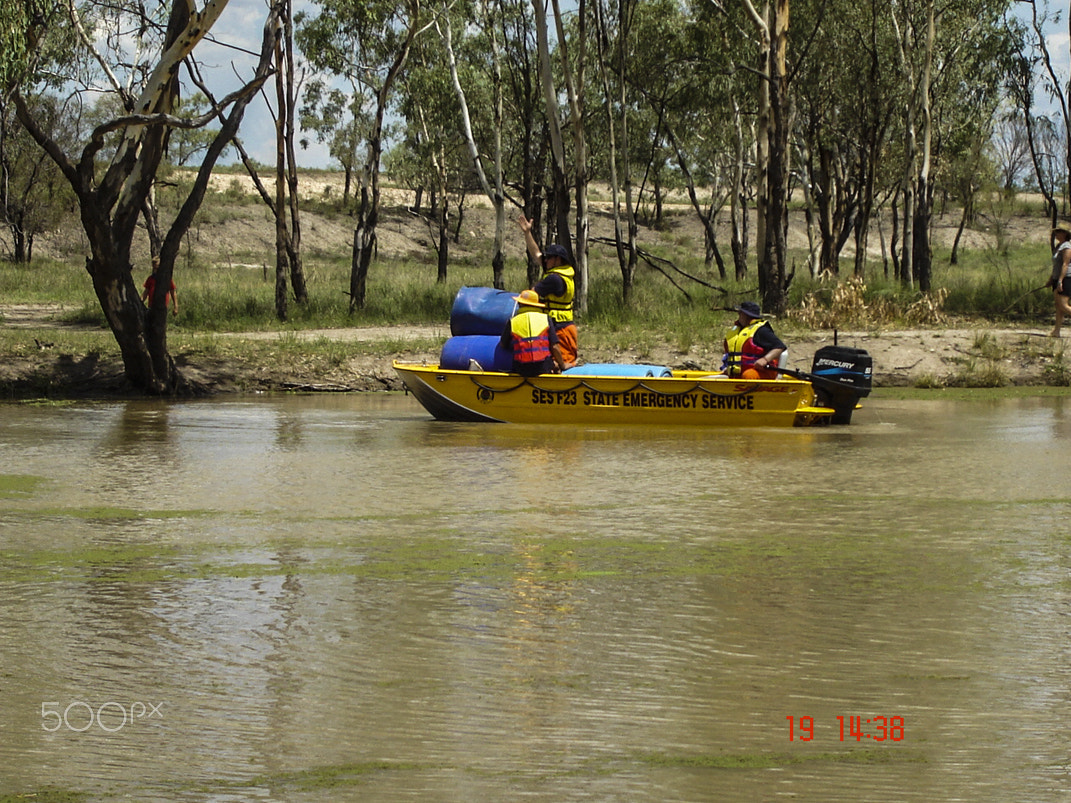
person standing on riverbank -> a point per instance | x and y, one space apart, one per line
1060 280
556 288
150 289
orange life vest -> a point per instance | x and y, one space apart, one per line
530 337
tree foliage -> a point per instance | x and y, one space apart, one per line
865 112
133 59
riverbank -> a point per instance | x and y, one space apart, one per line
41 360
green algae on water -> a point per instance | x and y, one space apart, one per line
16 486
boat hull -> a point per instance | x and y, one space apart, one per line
692 398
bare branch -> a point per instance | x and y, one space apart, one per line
83 36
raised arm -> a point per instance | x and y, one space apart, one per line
525 225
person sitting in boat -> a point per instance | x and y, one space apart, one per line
556 288
751 347
531 336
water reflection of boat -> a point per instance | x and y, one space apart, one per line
470 383
591 395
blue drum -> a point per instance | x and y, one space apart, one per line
481 311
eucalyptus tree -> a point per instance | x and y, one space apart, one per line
945 53
526 139
284 204
1010 149
34 196
720 30
365 44
685 72
18 43
966 171
338 119
122 51
31 192
846 96
613 65
573 62
287 208
772 26
484 73
433 119
966 124
1048 137
767 36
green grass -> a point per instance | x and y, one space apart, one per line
45 282
998 283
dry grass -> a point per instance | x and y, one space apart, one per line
847 306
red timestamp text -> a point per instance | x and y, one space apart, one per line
876 729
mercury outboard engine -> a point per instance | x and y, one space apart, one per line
841 376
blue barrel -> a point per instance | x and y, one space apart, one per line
485 349
481 311
619 369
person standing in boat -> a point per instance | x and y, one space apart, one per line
1060 281
531 336
751 346
556 287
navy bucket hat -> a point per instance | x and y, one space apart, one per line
750 308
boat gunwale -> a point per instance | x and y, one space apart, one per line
699 379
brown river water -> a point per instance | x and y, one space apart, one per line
307 598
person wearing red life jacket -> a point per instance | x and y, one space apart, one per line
751 347
531 336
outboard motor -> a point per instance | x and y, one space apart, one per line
841 376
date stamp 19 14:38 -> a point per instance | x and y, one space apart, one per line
877 729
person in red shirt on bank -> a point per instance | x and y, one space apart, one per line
150 289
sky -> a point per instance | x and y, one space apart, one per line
241 26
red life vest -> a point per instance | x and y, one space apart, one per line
743 351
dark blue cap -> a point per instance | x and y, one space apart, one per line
750 308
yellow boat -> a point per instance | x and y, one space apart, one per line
644 395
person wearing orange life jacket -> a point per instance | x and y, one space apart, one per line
556 287
751 346
531 336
